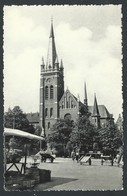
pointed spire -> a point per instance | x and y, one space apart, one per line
51 57
95 108
43 60
42 65
78 98
56 63
51 31
61 64
85 94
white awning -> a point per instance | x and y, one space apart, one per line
17 132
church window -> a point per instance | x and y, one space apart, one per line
51 112
51 92
48 125
69 101
65 102
67 116
72 104
95 120
67 105
46 112
46 92
41 82
62 105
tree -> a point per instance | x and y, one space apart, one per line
110 139
59 135
84 134
16 119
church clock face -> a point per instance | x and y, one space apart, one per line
48 80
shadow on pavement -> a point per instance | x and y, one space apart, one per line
55 181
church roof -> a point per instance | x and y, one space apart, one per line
33 117
104 113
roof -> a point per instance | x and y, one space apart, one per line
17 132
33 117
102 111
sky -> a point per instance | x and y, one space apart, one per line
88 40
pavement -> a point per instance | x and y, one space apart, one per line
68 175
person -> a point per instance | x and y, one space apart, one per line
77 155
90 160
73 155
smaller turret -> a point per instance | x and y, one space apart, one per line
56 64
42 65
95 114
61 65
78 98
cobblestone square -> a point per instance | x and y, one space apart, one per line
69 175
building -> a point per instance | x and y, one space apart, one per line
57 103
119 123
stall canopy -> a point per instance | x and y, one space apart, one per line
17 132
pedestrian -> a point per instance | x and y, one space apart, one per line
73 155
77 155
90 160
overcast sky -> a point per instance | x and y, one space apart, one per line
88 40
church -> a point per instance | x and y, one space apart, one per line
58 103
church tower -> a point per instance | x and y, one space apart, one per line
96 115
51 85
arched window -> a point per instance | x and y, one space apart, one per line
62 104
72 104
69 102
46 92
46 112
51 112
67 116
51 92
48 125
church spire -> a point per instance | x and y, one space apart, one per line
95 108
51 31
85 94
52 55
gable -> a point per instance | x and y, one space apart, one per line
68 100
